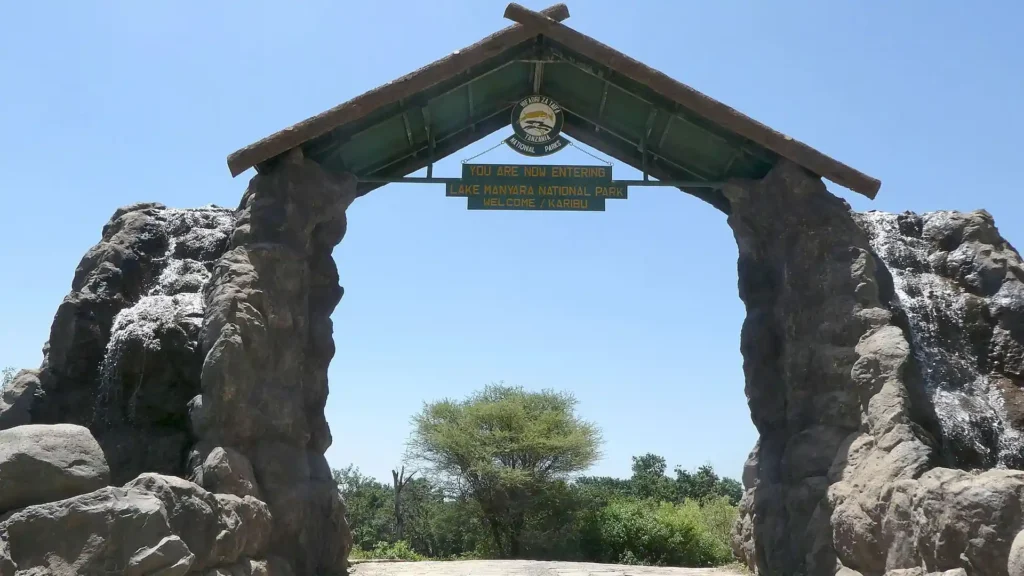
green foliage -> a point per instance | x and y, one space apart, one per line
704 484
649 482
596 519
661 534
397 551
434 526
504 447
6 376
370 506
499 486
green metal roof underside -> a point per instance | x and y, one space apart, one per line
605 110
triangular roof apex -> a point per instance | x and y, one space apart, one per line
547 23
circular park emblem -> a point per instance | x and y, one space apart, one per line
537 127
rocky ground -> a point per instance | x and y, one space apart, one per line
524 568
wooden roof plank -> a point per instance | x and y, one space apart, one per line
404 87
702 104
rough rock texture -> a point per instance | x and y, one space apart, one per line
806 278
957 286
195 344
123 357
227 471
7 566
1015 563
96 533
154 526
170 557
16 399
880 352
245 568
40 463
217 528
268 339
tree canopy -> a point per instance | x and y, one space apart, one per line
503 446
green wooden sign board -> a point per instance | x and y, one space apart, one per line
536 187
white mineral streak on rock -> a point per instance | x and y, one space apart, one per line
966 403
176 297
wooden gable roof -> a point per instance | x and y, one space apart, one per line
612 103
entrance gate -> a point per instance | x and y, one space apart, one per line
806 274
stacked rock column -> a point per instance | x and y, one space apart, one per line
814 372
267 336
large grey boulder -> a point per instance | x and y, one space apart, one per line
964 519
154 526
1015 561
42 463
16 399
92 534
225 471
218 529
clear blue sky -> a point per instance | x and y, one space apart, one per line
634 309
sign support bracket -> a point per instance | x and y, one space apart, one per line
430 142
643 157
643 141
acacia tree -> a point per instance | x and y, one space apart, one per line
502 446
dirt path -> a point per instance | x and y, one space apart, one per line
523 568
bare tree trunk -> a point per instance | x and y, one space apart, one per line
400 480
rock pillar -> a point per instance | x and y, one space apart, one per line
822 362
267 337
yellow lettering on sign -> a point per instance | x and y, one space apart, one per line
535 171
480 170
579 171
508 170
569 203
519 203
467 190
610 192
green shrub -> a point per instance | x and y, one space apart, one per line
660 534
629 559
398 551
